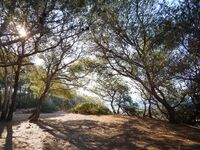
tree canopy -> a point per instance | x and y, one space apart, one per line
99 44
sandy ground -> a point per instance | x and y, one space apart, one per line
61 131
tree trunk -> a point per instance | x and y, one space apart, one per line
0 100
14 95
170 110
6 98
149 109
4 110
36 114
171 115
112 106
145 108
118 109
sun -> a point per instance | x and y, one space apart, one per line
21 31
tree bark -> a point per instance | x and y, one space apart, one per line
4 109
145 108
14 95
0 99
149 109
118 109
171 115
112 106
6 97
16 83
36 114
170 110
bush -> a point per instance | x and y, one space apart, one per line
49 108
25 103
186 113
131 111
91 108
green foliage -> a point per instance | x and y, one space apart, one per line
91 108
38 79
185 113
131 110
128 106
136 42
69 105
24 103
76 5
49 108
81 67
111 89
50 105
152 43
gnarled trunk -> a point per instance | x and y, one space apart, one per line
171 115
14 95
112 106
36 114
0 100
170 110
118 110
6 98
145 108
4 110
149 109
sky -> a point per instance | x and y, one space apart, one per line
37 61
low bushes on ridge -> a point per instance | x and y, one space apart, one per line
91 108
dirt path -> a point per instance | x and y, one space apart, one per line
60 131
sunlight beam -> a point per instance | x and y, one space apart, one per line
21 31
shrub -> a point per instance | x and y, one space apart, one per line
91 108
49 108
186 113
24 103
131 109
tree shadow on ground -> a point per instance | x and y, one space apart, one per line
9 136
84 135
19 116
6 140
180 130
90 135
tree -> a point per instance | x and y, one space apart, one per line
152 108
131 40
45 26
7 74
60 73
147 99
111 89
50 77
13 42
186 16
128 106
